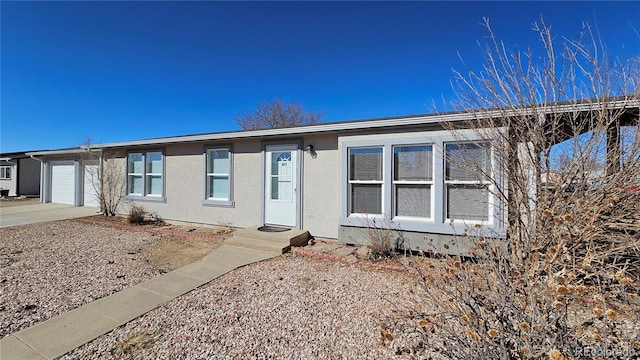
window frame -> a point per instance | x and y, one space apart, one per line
5 172
486 184
351 182
437 223
210 201
429 183
146 195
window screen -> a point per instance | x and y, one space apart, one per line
413 200
467 167
467 202
365 163
412 180
467 161
365 180
366 199
413 162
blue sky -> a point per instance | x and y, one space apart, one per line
116 71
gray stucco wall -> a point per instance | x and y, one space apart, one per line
321 203
184 185
323 186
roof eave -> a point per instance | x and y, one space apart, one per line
378 123
75 151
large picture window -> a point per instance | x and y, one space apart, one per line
218 183
467 166
425 182
145 172
412 180
365 180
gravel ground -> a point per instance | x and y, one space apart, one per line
51 268
290 307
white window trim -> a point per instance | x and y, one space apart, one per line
211 201
487 184
145 196
437 224
363 216
430 183
4 169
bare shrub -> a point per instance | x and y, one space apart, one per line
107 179
137 215
133 344
566 175
223 227
385 238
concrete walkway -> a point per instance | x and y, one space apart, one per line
57 336
37 213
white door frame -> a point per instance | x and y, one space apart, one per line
294 217
75 177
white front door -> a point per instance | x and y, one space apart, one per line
91 184
281 185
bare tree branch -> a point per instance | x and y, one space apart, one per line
565 132
107 179
277 114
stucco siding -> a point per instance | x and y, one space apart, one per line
9 185
184 186
247 184
321 176
184 182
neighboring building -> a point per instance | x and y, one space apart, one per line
19 174
68 177
332 179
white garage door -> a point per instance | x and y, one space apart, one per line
91 183
63 182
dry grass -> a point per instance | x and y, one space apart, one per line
381 238
133 344
223 227
565 277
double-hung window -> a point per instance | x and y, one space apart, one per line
218 174
135 176
467 167
5 172
412 180
429 183
145 172
365 180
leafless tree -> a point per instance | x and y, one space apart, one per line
107 178
565 276
277 114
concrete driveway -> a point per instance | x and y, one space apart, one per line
37 213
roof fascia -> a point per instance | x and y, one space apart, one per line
380 123
61 152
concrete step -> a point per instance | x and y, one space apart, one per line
258 244
293 237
